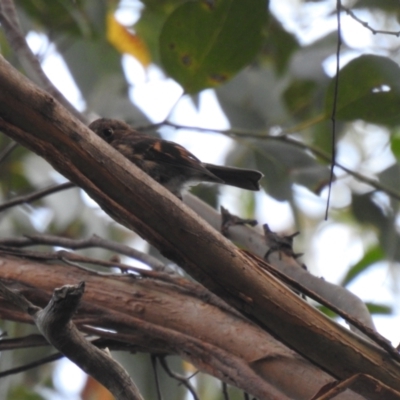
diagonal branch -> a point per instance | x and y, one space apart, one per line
37 121
31 197
250 239
94 241
365 24
285 138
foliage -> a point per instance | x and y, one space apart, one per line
271 87
204 44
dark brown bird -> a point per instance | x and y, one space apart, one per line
167 162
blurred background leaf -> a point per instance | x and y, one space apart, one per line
203 44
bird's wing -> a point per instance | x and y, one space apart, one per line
140 148
171 153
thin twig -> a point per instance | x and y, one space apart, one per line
69 258
285 139
18 300
183 380
31 365
29 198
366 24
94 241
334 106
154 365
28 341
225 391
8 150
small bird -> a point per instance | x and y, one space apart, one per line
168 163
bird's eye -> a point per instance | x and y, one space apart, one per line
107 133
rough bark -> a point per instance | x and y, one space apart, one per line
172 318
36 120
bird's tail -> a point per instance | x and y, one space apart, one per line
239 177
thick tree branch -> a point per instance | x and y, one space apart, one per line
249 238
36 120
142 313
252 240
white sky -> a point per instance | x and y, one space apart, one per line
336 246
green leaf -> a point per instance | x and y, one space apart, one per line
372 308
299 97
321 136
395 145
328 312
149 29
252 99
379 309
371 257
276 181
20 392
369 89
385 5
390 177
279 46
59 16
204 43
366 211
283 164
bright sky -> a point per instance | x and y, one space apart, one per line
336 246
